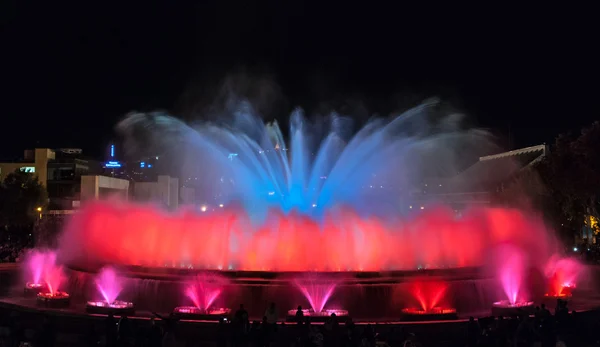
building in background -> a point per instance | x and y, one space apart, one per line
34 161
102 187
64 177
479 182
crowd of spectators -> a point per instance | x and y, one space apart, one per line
11 252
544 328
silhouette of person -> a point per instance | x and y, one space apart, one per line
299 315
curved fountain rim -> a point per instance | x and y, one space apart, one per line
264 277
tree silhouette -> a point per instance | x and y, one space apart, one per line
21 194
572 173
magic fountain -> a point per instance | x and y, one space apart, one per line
326 205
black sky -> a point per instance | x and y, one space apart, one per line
70 71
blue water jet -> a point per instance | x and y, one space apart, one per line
246 161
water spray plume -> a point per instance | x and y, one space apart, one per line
204 290
429 294
44 272
290 210
316 292
108 284
54 276
562 275
512 267
36 263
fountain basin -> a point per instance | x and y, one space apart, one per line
117 307
436 313
313 316
505 309
54 300
195 313
33 289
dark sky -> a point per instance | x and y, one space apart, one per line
71 71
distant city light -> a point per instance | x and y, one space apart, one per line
232 155
112 164
574 249
410 206
142 164
149 165
220 205
39 209
314 205
422 207
203 208
271 193
156 157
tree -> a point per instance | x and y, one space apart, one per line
22 197
564 186
572 173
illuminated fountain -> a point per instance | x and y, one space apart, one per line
325 204
37 262
512 266
429 295
292 211
203 291
53 297
109 286
562 275
317 292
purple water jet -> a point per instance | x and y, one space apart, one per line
511 271
316 292
109 284
204 290
36 262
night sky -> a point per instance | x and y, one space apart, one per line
71 71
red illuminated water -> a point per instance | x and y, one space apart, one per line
429 294
562 274
130 234
204 290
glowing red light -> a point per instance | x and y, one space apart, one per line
562 274
428 294
129 234
432 311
